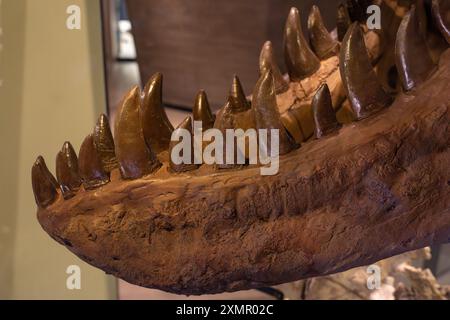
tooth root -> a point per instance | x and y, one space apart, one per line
267 61
104 143
237 99
202 111
321 41
67 171
411 53
44 184
343 21
135 156
441 16
156 126
323 112
293 127
183 167
90 165
365 93
265 110
300 60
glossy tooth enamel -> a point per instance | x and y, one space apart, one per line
155 124
104 143
136 158
90 165
67 171
363 89
202 111
267 61
323 113
321 41
265 110
300 60
44 184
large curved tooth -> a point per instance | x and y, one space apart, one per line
343 21
188 161
267 116
90 165
365 93
300 60
104 143
267 61
323 112
321 41
441 16
155 124
202 111
44 184
238 101
135 157
411 53
67 171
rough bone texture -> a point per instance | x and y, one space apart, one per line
377 188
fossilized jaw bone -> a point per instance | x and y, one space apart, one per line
337 203
206 230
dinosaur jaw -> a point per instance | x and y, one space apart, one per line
375 189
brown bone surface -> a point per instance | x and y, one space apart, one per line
378 188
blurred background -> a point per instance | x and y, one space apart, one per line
55 81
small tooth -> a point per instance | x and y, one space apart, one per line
135 157
202 111
293 127
156 126
104 143
267 61
441 16
365 93
182 167
323 112
44 184
237 99
343 21
67 171
321 41
300 60
267 116
411 53
90 165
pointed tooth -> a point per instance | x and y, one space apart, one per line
300 60
323 112
156 126
237 99
365 93
183 167
292 127
267 61
267 116
135 156
67 171
441 16
202 111
104 143
90 165
413 61
44 184
321 41
343 21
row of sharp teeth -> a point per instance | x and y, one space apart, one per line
143 131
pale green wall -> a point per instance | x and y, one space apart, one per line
53 91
